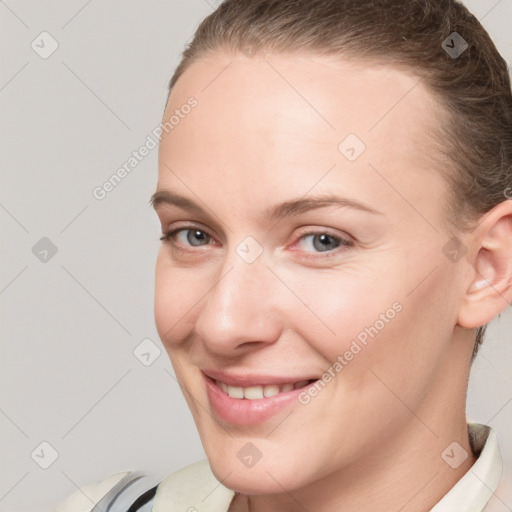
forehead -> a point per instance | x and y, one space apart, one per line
271 116
288 99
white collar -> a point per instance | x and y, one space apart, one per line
474 490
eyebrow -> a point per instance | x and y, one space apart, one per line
275 213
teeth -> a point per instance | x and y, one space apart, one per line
258 392
270 390
235 392
253 393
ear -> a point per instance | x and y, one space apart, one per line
490 290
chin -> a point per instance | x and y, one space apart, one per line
266 476
252 481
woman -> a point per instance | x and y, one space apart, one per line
333 191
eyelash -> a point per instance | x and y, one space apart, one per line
344 243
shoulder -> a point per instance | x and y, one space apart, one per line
193 487
117 493
85 498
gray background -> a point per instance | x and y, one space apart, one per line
70 325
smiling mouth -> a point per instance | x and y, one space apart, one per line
259 392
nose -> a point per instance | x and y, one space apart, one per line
241 311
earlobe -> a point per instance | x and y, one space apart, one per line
490 291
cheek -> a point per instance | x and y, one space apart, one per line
405 346
177 291
342 306
371 319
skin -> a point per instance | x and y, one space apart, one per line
266 130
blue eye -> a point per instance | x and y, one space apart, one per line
187 236
321 242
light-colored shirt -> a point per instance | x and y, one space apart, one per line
194 488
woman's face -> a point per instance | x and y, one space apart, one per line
308 230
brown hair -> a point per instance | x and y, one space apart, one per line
475 136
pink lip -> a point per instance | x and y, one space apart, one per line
248 412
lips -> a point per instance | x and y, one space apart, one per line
251 399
